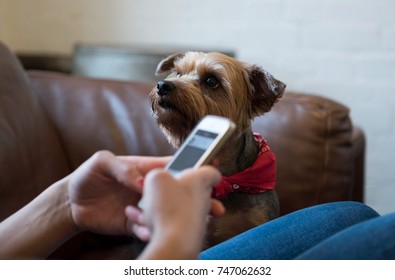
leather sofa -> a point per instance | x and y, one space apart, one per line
50 123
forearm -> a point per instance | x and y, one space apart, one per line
40 227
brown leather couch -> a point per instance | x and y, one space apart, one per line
50 123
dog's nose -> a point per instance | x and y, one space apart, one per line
165 87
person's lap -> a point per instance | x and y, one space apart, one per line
370 240
290 236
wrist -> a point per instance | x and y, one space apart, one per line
58 224
63 214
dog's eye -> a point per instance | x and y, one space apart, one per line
212 82
178 75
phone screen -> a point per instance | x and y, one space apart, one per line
193 150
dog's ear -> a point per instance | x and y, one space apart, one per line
167 63
264 88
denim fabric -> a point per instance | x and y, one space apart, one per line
289 236
370 240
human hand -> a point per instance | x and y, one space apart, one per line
101 188
176 208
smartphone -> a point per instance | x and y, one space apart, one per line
202 144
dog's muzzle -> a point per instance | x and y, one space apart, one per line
164 88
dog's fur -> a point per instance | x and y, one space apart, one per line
216 84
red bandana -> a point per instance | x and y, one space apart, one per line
259 177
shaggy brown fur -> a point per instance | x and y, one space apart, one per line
216 84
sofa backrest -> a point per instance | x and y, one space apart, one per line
31 157
93 114
310 135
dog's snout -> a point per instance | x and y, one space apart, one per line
165 87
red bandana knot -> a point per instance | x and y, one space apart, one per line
258 178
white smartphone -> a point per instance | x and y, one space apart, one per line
202 144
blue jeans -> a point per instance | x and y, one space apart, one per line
318 232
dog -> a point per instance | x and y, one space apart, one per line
199 84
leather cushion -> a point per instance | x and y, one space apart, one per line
315 133
94 114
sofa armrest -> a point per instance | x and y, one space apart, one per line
31 157
319 152
358 146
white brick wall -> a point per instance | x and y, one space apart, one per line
343 49
2 24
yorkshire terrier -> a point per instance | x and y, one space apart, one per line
212 83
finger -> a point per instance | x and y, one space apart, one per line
217 208
118 170
135 215
132 213
135 224
142 232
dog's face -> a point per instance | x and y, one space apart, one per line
210 83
